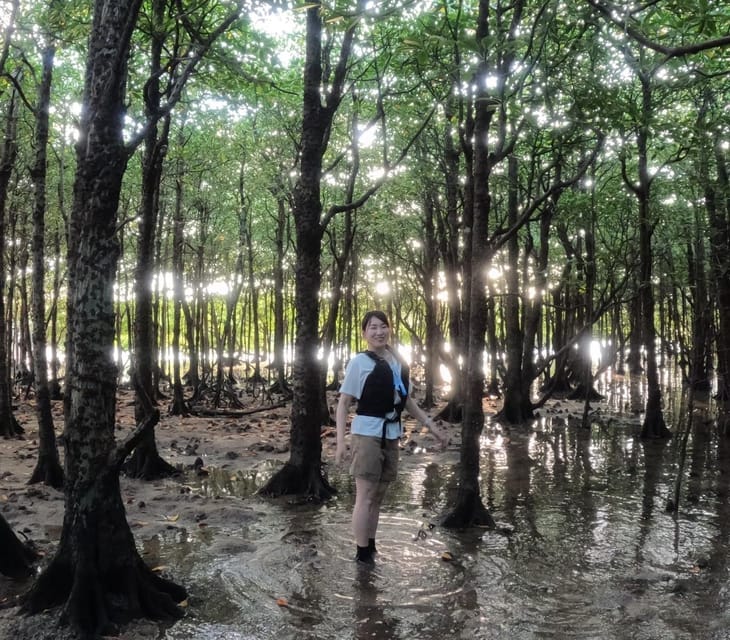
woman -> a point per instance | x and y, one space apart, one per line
379 380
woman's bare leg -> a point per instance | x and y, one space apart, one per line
366 514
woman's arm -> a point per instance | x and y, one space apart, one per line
343 410
426 420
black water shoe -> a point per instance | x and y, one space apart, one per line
365 556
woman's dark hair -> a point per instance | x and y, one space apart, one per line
374 314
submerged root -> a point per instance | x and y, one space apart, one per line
469 513
294 480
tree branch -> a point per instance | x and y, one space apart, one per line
194 58
356 204
120 453
611 12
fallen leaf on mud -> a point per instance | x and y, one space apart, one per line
160 568
173 518
446 556
282 602
183 604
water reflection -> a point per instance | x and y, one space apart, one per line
517 480
594 553
370 619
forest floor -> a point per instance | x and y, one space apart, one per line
35 512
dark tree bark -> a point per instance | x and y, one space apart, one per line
494 388
58 277
179 405
455 233
48 467
653 425
581 364
633 359
146 462
700 366
718 210
717 203
429 275
341 250
341 256
469 510
302 474
517 405
247 241
564 324
280 242
96 572
23 360
16 558
9 426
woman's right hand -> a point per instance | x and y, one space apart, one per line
340 454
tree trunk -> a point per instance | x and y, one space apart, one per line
718 216
254 323
48 468
55 382
582 363
563 324
633 359
280 236
16 558
145 462
96 571
653 425
517 407
429 276
493 389
178 406
302 474
700 366
469 510
9 426
452 237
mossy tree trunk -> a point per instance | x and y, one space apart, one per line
96 573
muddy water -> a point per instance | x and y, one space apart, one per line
587 549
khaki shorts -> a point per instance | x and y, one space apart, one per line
373 462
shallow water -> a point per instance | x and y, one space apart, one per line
592 552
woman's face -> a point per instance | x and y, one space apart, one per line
376 334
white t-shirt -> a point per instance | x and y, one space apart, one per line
357 371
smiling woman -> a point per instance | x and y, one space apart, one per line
378 379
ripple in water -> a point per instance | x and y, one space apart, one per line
593 556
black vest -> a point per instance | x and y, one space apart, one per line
378 394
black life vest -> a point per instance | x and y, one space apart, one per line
378 394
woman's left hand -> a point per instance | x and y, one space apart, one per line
443 439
